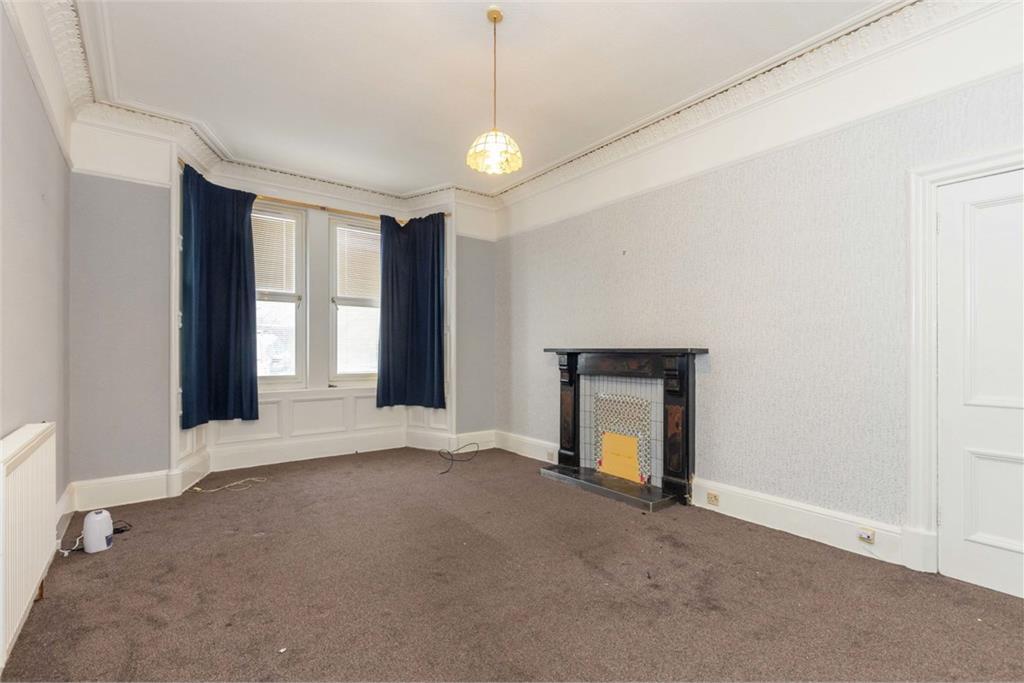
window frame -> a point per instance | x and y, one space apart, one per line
298 380
333 221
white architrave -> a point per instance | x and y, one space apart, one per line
920 524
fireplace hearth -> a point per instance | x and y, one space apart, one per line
662 386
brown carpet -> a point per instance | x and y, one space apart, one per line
373 567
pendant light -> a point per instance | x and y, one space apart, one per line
494 152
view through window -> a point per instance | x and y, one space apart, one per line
276 242
356 297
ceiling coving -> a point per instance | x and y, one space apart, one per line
334 94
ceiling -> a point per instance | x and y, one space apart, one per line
389 96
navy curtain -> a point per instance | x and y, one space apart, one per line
411 361
218 340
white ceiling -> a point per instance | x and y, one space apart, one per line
389 96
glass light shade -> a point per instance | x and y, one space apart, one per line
494 153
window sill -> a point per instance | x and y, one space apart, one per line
348 381
362 387
278 386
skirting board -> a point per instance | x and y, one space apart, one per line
65 508
913 549
191 469
920 549
435 440
485 439
135 488
837 529
273 452
527 446
90 494
429 439
800 519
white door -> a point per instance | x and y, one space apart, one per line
981 382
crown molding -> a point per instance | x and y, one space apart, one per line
66 37
191 145
253 175
877 35
880 35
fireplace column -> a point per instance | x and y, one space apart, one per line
678 455
569 410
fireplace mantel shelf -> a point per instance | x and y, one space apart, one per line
660 352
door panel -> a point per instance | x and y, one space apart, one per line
981 382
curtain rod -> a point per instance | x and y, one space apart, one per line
319 207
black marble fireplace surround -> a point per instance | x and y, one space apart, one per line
675 368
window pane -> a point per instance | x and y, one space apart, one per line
358 263
358 327
273 243
275 338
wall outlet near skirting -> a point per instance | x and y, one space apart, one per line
866 536
712 498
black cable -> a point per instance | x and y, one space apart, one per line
448 455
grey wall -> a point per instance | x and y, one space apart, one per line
118 323
475 329
792 269
33 245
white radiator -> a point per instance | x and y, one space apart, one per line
28 522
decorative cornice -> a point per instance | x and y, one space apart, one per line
857 44
66 37
307 183
879 35
183 134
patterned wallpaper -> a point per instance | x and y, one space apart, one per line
791 267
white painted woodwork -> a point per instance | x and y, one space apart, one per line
267 426
123 155
980 342
318 416
28 477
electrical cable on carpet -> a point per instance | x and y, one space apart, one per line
233 486
450 456
120 527
65 552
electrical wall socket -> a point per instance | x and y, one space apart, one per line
712 498
866 536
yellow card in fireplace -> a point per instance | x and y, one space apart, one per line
619 456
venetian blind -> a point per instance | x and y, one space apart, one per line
273 239
358 263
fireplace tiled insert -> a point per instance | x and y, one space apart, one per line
624 405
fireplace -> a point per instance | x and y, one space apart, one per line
643 397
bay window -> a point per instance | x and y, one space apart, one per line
331 335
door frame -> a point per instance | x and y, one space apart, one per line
920 523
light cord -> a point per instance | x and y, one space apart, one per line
494 75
